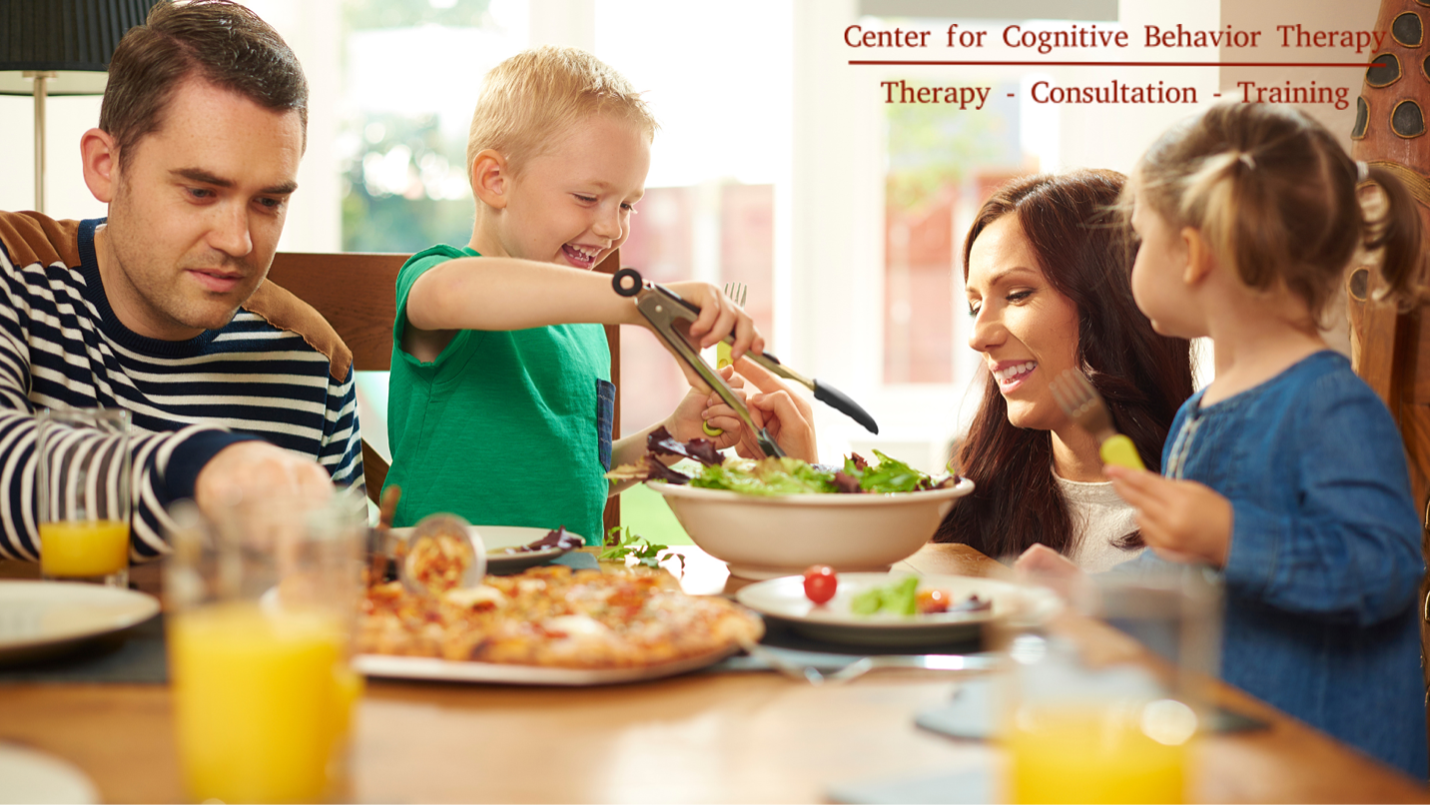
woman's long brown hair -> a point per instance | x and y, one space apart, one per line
1084 249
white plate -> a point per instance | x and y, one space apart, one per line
431 668
29 776
784 598
38 618
501 542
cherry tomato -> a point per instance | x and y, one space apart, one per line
820 582
932 601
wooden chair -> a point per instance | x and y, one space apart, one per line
357 293
1390 349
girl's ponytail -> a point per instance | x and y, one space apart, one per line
1397 232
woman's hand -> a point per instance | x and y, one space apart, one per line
1046 567
689 418
1182 520
786 416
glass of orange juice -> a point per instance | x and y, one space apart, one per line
1106 703
83 499
262 604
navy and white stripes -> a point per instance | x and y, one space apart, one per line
62 346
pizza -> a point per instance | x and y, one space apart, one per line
554 616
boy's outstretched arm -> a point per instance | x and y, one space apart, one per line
507 294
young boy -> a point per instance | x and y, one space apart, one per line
500 403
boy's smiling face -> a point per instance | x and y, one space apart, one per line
572 204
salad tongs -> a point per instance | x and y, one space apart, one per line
663 308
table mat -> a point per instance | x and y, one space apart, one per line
138 655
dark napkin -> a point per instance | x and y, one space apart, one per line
135 655
782 638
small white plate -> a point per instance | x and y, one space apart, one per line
28 776
833 621
501 542
38 618
431 668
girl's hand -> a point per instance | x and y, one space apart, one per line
786 416
1182 520
688 420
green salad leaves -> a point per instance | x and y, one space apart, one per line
900 598
776 476
773 476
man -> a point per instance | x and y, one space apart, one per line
237 388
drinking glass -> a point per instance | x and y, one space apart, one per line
262 603
83 501
1106 703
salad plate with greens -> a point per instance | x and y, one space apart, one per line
893 609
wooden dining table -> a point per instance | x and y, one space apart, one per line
703 737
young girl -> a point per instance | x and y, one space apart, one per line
1286 473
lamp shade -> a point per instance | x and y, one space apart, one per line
65 34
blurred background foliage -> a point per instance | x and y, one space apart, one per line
404 178
932 146
368 14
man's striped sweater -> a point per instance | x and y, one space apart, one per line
277 372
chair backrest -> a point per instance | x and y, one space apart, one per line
357 294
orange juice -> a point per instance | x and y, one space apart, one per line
84 548
263 703
1086 756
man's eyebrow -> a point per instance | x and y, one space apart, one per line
207 178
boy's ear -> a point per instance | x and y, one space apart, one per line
1199 256
491 178
101 164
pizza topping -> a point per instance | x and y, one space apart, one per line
554 616
472 597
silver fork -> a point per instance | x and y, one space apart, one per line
1077 397
814 676
736 293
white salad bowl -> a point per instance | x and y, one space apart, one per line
763 537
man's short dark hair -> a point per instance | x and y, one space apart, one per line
217 41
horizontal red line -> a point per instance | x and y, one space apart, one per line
1127 64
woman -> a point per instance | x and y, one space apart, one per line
1046 273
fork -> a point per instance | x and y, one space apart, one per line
843 674
1081 402
736 293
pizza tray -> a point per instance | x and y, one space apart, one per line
431 668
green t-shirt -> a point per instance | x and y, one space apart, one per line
504 427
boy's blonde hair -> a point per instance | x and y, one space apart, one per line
1278 200
530 101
